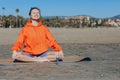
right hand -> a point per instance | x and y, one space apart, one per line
14 54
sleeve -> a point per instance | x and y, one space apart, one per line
19 42
52 42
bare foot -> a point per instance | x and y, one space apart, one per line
42 59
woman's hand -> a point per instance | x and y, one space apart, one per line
14 54
60 54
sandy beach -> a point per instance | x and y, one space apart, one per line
101 44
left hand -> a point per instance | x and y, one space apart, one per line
60 54
14 54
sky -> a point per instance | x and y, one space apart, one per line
94 8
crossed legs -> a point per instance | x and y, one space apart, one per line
50 57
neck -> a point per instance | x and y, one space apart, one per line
34 22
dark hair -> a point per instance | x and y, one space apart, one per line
32 9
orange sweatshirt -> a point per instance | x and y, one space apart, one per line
35 39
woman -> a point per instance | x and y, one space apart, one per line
34 39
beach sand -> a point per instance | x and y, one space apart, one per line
101 44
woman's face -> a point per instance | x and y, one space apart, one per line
35 14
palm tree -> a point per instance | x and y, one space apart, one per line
2 18
3 8
17 11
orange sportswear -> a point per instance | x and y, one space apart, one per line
36 39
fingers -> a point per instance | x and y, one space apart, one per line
60 54
14 55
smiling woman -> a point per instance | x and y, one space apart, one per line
36 39
34 13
